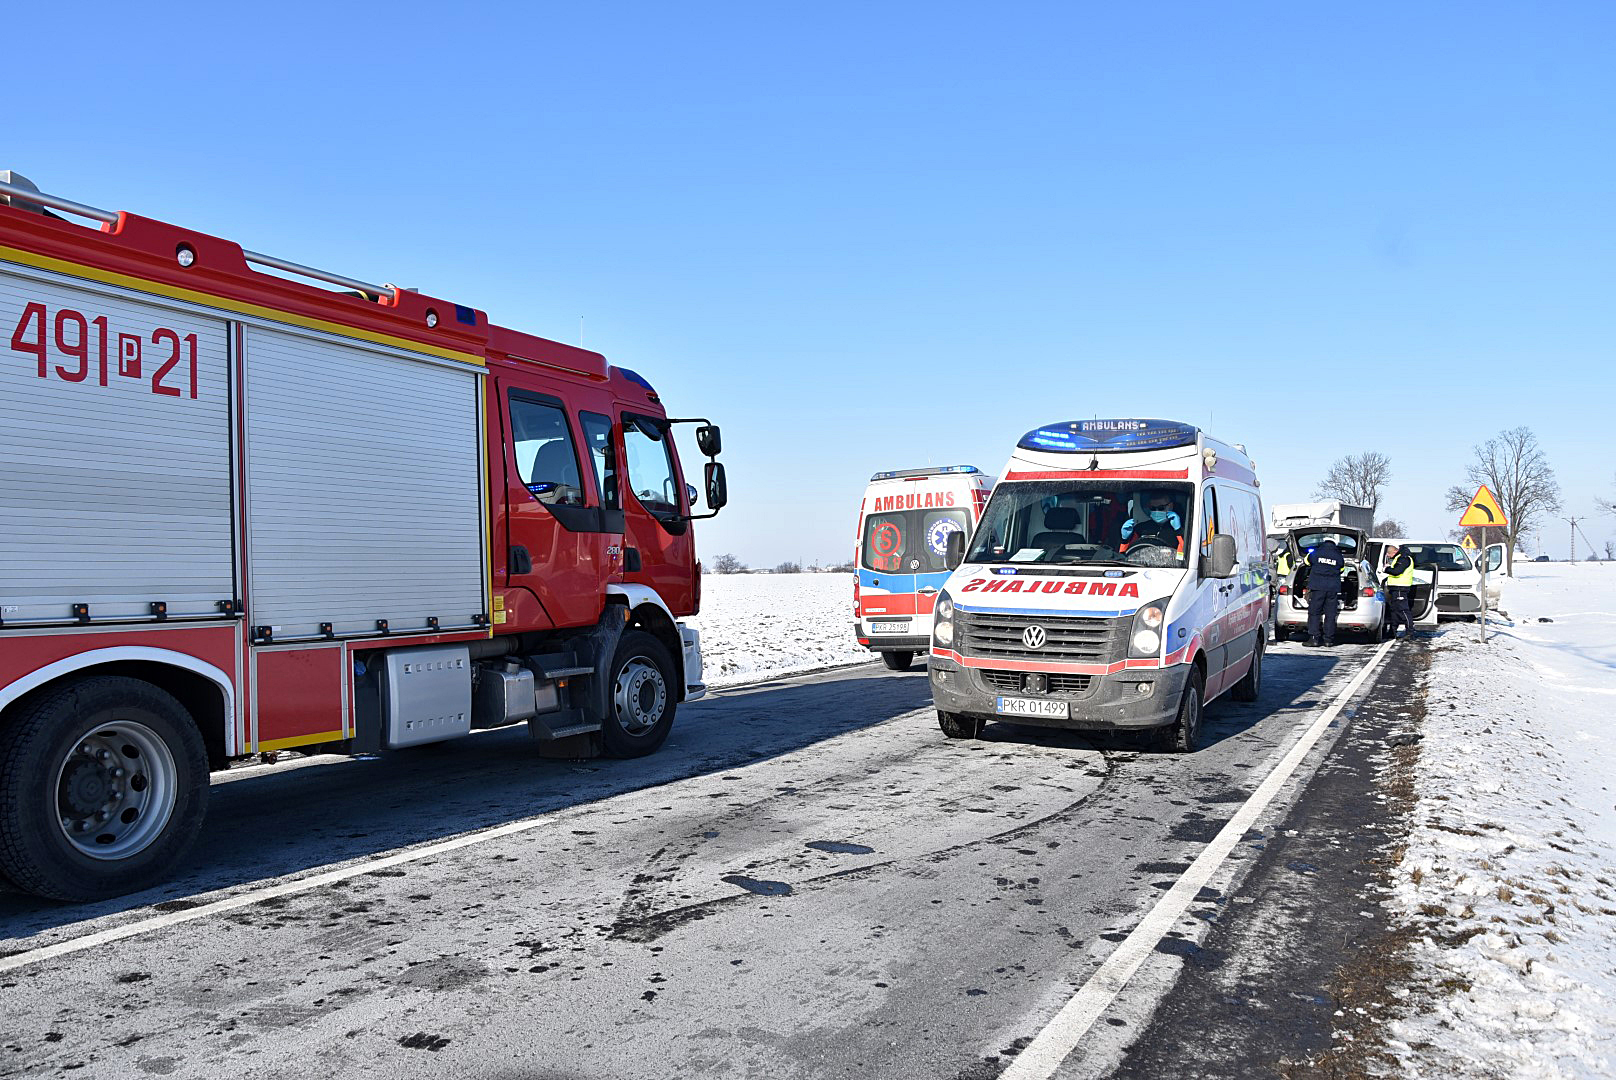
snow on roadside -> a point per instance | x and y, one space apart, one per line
1510 871
760 626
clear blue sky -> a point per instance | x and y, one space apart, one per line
870 236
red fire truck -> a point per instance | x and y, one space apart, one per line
243 513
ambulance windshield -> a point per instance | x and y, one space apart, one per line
1085 521
909 541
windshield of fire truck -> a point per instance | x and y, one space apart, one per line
1085 521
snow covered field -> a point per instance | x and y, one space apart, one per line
758 626
1511 868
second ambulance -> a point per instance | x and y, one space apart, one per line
904 524
1115 581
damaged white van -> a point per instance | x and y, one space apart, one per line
1116 581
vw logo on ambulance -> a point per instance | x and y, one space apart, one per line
1034 637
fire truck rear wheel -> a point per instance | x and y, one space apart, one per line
643 697
103 787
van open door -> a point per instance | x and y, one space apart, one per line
1493 560
1422 597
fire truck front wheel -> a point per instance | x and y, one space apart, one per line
642 702
103 787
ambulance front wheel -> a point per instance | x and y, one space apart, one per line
956 726
900 660
103 788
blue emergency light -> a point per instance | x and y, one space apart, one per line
903 474
1109 436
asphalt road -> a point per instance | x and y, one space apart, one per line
807 881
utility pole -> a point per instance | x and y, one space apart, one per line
1573 538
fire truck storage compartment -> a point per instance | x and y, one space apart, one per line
114 453
426 694
364 487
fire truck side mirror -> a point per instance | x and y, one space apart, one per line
710 442
954 552
717 486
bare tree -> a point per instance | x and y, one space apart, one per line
788 568
728 564
1389 527
1359 479
1517 472
1610 549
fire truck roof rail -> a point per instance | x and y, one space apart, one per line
21 193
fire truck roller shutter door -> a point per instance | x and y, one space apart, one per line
102 504
364 487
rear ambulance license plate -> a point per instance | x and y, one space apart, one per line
1020 706
891 626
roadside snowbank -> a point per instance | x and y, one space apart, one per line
1510 871
759 626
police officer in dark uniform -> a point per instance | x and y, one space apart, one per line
1399 586
1324 565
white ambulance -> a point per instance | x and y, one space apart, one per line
1115 581
903 529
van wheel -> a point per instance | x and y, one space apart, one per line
956 726
1249 687
640 712
902 660
103 788
1183 735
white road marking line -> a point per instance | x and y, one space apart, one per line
1044 1055
247 899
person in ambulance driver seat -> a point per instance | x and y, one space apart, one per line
1323 593
1160 526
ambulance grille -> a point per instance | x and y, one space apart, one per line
1014 682
1072 639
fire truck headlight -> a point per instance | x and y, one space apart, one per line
185 255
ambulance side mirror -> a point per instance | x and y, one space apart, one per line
1220 563
954 553
717 486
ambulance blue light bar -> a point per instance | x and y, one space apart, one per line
904 474
1109 436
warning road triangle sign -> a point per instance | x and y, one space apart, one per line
1467 543
1483 510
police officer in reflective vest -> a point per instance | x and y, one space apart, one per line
1323 592
1282 564
1399 586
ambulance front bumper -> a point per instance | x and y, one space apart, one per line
1108 703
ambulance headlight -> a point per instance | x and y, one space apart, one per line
942 623
1144 638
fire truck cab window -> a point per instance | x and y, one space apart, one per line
651 474
602 455
545 456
